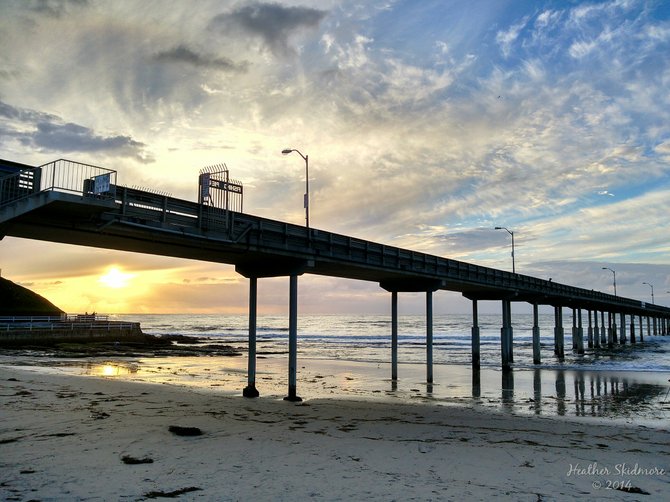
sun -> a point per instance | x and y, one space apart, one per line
115 278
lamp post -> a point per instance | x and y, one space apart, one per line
613 272
652 292
306 201
512 234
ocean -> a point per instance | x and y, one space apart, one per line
367 338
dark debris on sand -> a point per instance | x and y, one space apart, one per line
173 494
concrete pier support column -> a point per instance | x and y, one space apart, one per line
603 329
475 336
589 331
655 327
580 333
506 335
641 329
293 340
615 331
596 330
559 348
610 331
632 329
510 333
250 390
574 329
394 335
622 337
536 335
429 336
648 326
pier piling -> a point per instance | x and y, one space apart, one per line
429 337
536 335
293 340
250 390
475 336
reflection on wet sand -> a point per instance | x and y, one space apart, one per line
539 391
109 369
595 394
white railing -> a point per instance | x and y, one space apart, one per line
70 322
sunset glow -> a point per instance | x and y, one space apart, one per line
115 278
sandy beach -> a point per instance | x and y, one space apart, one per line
85 437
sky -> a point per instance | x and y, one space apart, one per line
427 124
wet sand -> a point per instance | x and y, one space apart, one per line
88 436
624 397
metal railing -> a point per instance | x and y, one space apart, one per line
60 175
67 322
76 177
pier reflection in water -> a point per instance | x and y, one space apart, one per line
576 393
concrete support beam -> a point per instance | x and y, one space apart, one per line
632 329
615 330
536 335
596 330
574 329
580 333
429 336
559 345
603 329
649 326
506 336
250 390
293 340
475 336
622 331
589 332
394 335
610 331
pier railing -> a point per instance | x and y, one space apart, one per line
60 175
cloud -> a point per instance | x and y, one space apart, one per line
48 132
506 38
273 23
183 54
54 8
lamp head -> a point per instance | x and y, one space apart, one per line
498 228
286 151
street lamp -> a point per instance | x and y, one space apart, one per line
607 268
512 234
286 151
652 291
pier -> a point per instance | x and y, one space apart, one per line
74 203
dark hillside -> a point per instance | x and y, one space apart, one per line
16 300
